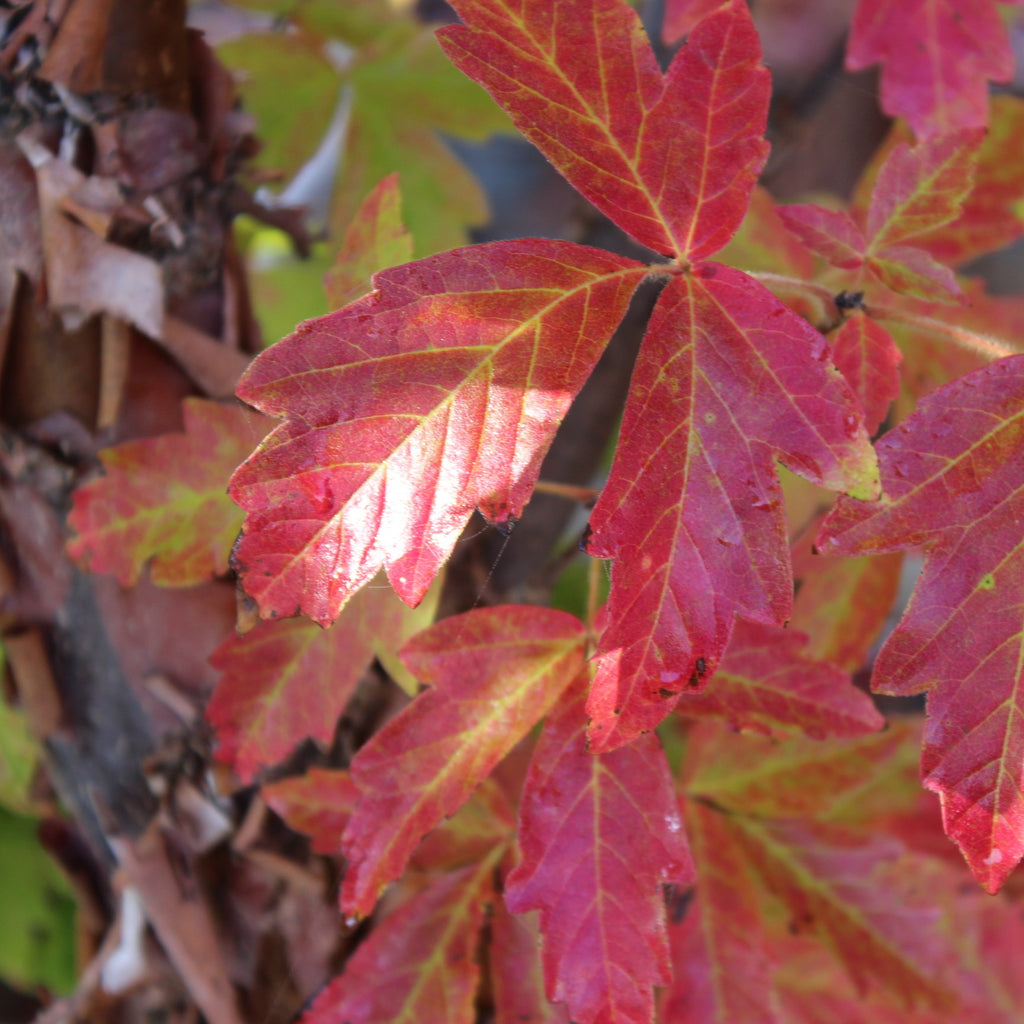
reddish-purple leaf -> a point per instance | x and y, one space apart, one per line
988 219
766 684
916 191
418 965
317 804
163 501
842 603
922 188
289 680
998 932
516 972
671 160
484 821
937 58
860 896
599 836
682 16
723 970
494 673
790 778
912 271
832 234
437 394
727 381
866 355
954 482
813 988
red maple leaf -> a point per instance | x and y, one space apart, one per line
723 970
692 512
440 392
988 220
289 680
917 191
437 394
599 836
937 58
859 895
516 971
953 484
868 358
762 803
161 501
766 684
419 963
493 673
671 159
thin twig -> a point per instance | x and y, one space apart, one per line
585 495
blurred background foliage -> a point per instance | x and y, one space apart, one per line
344 94
37 940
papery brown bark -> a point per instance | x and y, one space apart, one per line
119 296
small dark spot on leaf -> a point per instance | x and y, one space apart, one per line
801 923
616 711
233 559
694 682
678 901
849 300
701 666
666 693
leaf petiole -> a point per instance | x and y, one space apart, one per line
974 341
